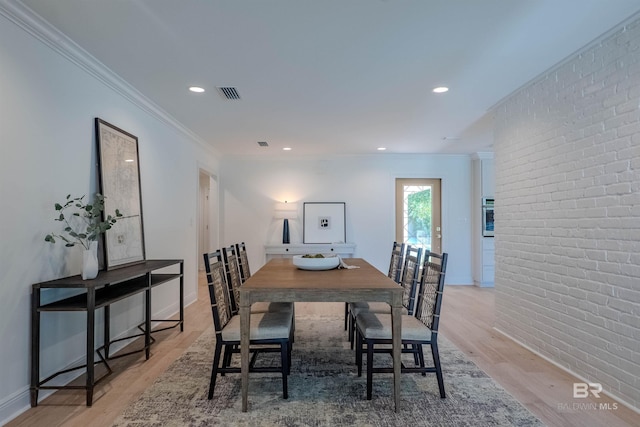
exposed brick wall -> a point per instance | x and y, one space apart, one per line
567 153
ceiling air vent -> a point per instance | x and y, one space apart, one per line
263 143
229 92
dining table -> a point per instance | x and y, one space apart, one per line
279 280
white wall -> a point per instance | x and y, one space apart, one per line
47 150
250 187
567 155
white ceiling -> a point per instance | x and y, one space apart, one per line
329 77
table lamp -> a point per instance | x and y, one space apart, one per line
287 211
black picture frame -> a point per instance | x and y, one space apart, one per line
119 177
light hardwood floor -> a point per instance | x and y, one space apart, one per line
467 321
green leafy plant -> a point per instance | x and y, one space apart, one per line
83 221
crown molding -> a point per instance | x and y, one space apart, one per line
32 23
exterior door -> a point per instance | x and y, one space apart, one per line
418 214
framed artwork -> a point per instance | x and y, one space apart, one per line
119 171
324 222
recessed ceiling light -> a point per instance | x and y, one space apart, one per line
287 148
440 89
382 148
196 89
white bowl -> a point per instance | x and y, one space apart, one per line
327 263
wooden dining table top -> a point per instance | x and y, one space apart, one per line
283 281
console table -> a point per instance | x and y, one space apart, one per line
345 250
107 288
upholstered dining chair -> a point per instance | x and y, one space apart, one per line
270 331
243 261
395 265
234 281
232 273
409 280
395 272
374 329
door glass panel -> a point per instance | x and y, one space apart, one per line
418 213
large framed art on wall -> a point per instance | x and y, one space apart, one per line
119 171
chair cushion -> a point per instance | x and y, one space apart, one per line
263 326
378 326
264 307
373 307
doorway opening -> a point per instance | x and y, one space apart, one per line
207 215
418 213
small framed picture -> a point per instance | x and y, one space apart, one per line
324 222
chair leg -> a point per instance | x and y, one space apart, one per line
293 324
226 359
352 329
369 369
359 344
214 369
346 314
284 355
421 358
289 349
436 362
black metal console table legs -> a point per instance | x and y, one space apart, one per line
101 292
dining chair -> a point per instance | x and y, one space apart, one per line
232 273
395 265
243 261
234 281
374 329
271 331
409 281
395 273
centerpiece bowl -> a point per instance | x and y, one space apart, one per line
316 262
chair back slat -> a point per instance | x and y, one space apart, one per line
431 289
243 261
218 290
410 277
395 266
233 276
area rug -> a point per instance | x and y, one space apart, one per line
324 390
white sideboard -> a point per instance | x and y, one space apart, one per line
346 250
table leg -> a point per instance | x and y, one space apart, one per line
245 319
35 346
181 296
107 330
91 324
147 319
396 327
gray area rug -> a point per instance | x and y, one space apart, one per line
324 390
